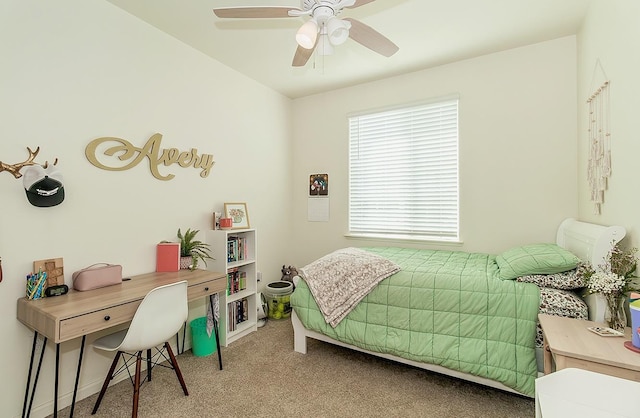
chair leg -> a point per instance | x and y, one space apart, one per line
136 385
105 385
174 363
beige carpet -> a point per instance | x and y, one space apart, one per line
264 377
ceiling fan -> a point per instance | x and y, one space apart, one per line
323 31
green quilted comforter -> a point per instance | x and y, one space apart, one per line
446 308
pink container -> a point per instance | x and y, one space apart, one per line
226 223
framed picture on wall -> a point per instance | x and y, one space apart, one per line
238 214
319 185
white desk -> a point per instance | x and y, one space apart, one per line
581 393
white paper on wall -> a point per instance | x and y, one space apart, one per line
318 209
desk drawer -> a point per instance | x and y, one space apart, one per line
570 362
207 288
96 321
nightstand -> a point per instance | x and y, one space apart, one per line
568 343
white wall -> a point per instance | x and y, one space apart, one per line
76 70
517 146
611 34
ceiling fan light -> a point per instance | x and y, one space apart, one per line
307 34
338 30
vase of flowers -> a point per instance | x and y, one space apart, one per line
610 285
615 314
613 281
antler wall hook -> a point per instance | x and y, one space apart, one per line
15 168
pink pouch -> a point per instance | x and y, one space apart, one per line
96 276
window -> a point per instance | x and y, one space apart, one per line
403 172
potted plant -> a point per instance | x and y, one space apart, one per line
192 250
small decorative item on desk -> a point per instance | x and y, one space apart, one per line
192 250
54 267
96 276
614 281
168 256
36 285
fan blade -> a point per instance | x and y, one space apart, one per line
254 12
371 38
359 3
302 55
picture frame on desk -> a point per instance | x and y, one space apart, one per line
239 215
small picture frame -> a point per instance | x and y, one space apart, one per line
606 332
238 214
216 219
319 185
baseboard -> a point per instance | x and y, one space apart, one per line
64 399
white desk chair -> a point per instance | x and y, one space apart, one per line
160 315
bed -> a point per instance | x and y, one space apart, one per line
468 315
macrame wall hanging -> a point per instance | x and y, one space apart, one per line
599 165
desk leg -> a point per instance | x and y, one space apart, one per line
184 334
75 387
215 329
217 332
55 395
26 412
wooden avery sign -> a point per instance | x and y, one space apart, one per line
132 156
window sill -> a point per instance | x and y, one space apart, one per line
405 239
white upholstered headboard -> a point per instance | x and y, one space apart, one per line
591 243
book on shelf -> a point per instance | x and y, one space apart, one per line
238 313
236 249
231 254
236 280
245 309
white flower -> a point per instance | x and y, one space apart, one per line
606 282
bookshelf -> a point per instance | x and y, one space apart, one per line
234 252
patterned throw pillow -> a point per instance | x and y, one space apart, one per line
560 303
567 280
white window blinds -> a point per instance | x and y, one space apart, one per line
403 172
